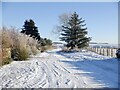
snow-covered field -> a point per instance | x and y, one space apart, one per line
55 69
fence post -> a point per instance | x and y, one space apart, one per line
103 51
107 52
96 50
111 52
93 49
100 51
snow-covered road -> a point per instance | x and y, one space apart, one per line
55 69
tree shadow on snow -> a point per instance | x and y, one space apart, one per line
104 71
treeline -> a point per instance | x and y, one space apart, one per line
18 45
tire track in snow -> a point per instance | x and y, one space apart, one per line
64 73
48 71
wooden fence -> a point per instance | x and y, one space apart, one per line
104 51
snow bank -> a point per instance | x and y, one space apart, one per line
55 69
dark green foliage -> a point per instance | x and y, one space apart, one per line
45 42
42 42
48 41
75 33
29 28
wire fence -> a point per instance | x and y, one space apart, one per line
104 51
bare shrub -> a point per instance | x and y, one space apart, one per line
34 50
0 46
19 54
6 38
20 45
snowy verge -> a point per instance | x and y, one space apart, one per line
56 69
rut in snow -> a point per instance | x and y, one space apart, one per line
55 69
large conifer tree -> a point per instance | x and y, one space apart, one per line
29 28
74 34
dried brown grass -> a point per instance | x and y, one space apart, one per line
11 39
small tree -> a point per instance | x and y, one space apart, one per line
29 28
45 42
74 34
63 20
48 41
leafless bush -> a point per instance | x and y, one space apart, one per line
63 20
20 45
0 46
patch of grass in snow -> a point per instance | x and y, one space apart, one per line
20 54
6 61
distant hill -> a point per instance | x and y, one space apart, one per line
97 43
58 43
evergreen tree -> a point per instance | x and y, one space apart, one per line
48 41
74 34
29 28
45 41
